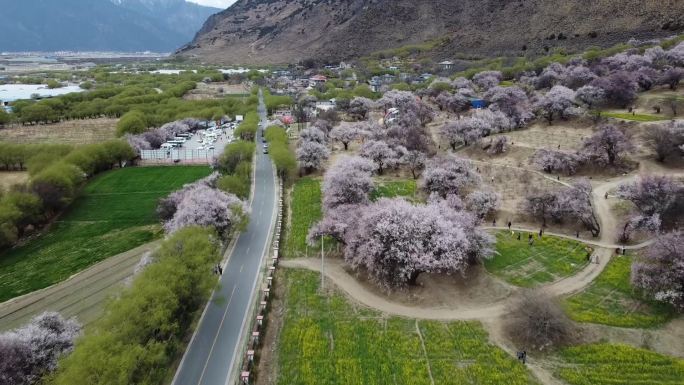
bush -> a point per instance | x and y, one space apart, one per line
57 184
282 157
276 134
248 128
284 160
538 323
234 154
142 332
132 122
4 117
235 184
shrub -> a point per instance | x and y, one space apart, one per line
142 331
234 154
538 323
132 122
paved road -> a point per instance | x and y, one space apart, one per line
211 354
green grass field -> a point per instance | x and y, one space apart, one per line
394 188
305 210
635 117
605 364
610 300
115 212
546 260
326 340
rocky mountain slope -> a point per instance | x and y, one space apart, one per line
99 25
285 31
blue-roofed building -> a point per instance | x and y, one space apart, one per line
477 103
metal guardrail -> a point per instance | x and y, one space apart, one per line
260 308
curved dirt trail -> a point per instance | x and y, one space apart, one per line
492 315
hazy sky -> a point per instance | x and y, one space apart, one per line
214 3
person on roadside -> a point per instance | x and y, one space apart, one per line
509 225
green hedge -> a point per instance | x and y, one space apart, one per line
57 172
142 333
283 158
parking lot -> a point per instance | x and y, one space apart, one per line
201 147
210 139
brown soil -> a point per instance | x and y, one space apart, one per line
220 90
11 178
70 132
449 292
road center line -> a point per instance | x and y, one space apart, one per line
218 331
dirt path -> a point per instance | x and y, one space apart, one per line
590 242
541 174
83 295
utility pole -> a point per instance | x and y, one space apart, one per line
322 265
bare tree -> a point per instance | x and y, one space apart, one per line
539 324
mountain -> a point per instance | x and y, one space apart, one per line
286 31
99 25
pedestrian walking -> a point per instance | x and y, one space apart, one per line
541 232
518 235
530 240
606 195
577 234
509 225
494 223
524 357
220 269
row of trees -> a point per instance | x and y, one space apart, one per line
279 150
571 205
56 175
142 331
603 149
557 92
235 166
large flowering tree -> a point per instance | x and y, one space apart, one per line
396 241
661 272
32 351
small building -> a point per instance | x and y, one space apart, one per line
388 79
325 105
446 65
477 103
317 80
375 85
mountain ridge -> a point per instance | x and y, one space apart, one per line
99 25
287 31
